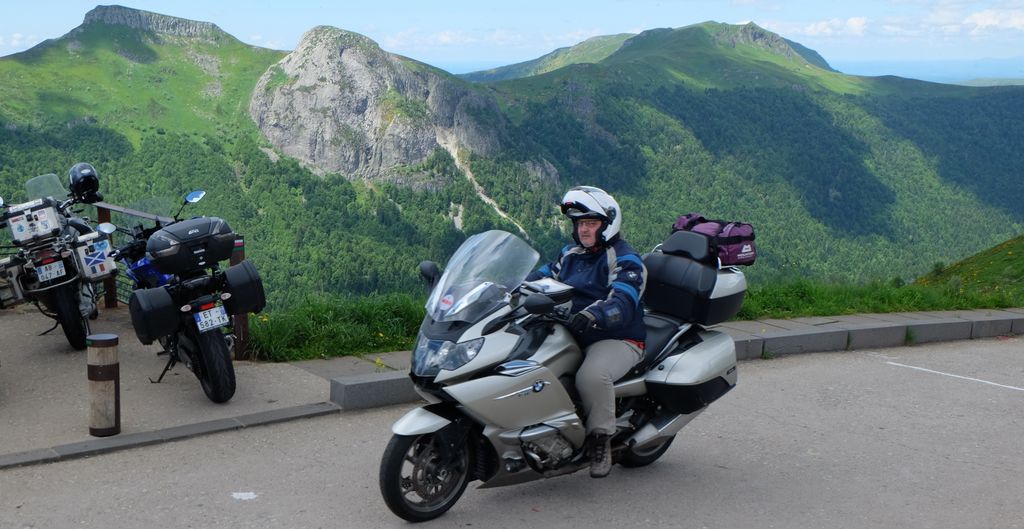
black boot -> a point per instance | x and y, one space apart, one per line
600 455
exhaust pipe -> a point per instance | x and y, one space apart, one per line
661 427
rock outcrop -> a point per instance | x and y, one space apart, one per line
340 104
144 20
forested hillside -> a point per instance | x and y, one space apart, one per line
844 178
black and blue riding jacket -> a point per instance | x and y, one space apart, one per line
608 283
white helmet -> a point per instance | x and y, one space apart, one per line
585 202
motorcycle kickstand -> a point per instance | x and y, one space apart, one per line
171 360
47 331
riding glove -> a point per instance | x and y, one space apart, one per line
582 321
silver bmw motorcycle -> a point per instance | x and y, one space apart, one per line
495 362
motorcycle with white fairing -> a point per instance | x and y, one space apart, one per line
495 361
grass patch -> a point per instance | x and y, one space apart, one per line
325 326
791 299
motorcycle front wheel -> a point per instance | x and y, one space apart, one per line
65 306
421 476
216 373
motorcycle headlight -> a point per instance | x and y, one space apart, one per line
431 356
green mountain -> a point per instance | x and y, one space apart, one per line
843 176
344 165
134 72
591 50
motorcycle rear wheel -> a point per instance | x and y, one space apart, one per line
65 305
636 457
422 477
216 373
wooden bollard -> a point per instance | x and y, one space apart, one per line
104 385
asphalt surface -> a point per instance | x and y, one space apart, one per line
912 437
44 397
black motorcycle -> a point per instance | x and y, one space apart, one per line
182 298
58 257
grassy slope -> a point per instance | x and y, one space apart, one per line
993 278
591 50
134 82
996 271
683 169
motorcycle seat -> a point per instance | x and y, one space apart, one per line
659 330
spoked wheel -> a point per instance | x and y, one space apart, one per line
213 367
640 457
422 476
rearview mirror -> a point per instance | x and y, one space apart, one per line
538 304
195 196
430 273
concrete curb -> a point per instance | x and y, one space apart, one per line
758 339
357 392
119 442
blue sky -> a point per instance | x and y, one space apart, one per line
870 37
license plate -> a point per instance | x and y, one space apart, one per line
214 318
51 271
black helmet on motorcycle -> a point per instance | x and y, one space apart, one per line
84 182
585 202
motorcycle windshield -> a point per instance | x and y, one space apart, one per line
47 185
480 275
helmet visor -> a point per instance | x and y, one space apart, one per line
579 210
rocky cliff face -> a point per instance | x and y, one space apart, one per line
144 20
340 104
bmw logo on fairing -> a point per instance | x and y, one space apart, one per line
538 386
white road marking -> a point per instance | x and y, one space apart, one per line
244 496
956 376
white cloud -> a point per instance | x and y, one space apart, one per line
17 39
854 26
944 15
982 21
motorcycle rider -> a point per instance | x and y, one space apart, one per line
608 280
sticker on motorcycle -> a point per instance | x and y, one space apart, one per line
214 318
447 302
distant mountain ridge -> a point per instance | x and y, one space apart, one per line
597 49
349 164
591 50
148 21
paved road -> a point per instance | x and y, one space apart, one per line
919 437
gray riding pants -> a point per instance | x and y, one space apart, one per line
604 363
